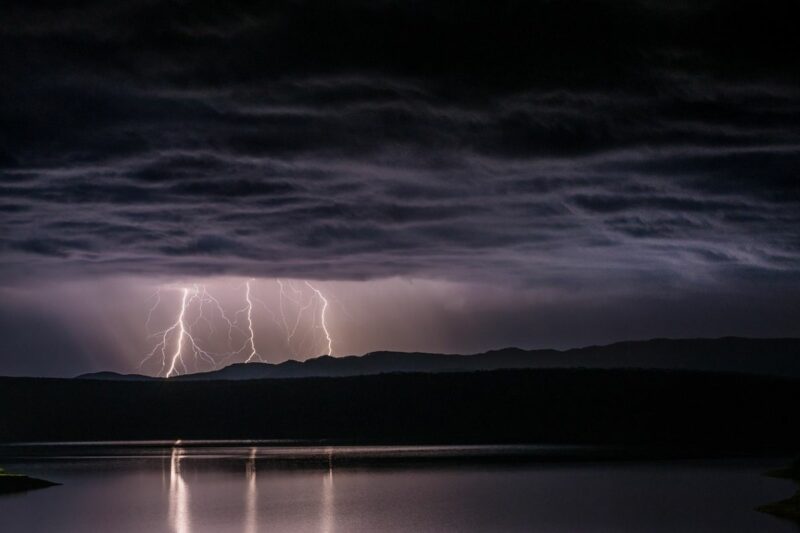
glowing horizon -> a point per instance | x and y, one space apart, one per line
113 323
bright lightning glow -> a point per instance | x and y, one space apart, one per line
323 323
301 308
157 294
180 346
231 325
180 331
253 353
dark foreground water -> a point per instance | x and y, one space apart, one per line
240 487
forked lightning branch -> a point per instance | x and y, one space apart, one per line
182 346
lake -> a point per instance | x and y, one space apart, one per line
246 487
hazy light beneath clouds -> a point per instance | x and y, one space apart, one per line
70 327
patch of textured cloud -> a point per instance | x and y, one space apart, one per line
389 212
321 161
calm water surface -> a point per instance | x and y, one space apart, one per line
199 488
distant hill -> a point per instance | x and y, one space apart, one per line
777 357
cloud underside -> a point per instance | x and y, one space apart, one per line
641 143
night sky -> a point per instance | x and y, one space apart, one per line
452 176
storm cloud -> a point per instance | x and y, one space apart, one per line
633 146
377 139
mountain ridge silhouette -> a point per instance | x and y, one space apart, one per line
762 356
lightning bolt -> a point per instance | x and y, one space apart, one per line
290 332
180 331
323 323
280 307
157 295
181 325
249 331
231 326
180 340
253 353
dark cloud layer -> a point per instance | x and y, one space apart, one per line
634 144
